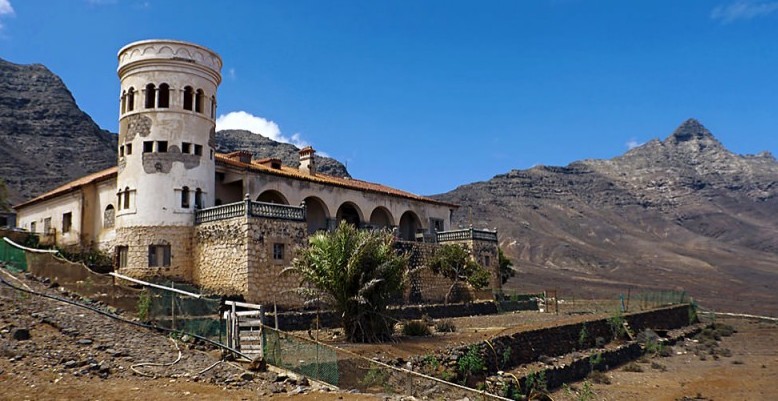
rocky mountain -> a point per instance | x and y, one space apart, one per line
45 139
682 213
260 146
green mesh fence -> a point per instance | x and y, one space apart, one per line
12 258
199 316
350 371
654 299
309 358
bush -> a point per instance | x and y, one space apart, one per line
599 377
472 363
658 366
633 367
445 326
416 328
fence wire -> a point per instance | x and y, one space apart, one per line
180 312
13 258
350 371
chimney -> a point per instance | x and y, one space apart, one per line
307 162
242 156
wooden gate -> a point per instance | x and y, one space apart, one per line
244 328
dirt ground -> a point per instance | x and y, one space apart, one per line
76 354
750 373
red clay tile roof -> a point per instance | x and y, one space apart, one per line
291 172
73 185
284 171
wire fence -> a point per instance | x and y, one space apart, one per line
12 257
652 299
179 312
350 371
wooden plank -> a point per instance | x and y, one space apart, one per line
245 348
249 313
243 304
250 323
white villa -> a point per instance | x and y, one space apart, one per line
174 207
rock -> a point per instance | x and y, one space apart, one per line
281 377
246 376
84 341
258 364
71 364
20 334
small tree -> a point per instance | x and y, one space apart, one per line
454 262
506 266
358 272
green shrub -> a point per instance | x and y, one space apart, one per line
599 377
445 326
633 367
144 305
416 328
472 363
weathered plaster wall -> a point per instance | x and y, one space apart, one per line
55 208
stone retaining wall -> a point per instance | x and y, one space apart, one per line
328 319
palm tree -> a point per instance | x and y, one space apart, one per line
357 272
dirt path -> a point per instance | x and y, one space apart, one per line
750 373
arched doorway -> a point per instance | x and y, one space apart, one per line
409 225
350 213
316 214
381 218
272 196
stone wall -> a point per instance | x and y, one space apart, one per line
137 239
426 286
329 319
221 256
527 346
266 284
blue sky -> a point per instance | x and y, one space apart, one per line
429 95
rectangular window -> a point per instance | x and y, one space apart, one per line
33 226
436 224
162 146
121 151
487 261
46 225
67 222
159 255
148 146
198 150
128 148
278 251
211 154
121 256
186 148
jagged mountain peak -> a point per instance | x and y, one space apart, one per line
691 130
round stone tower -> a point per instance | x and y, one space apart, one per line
166 163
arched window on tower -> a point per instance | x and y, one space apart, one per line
198 198
127 197
199 101
131 99
164 96
213 106
124 102
109 216
151 93
185 197
188 97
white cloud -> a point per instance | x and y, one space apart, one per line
5 10
632 144
258 125
5 7
743 10
231 73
